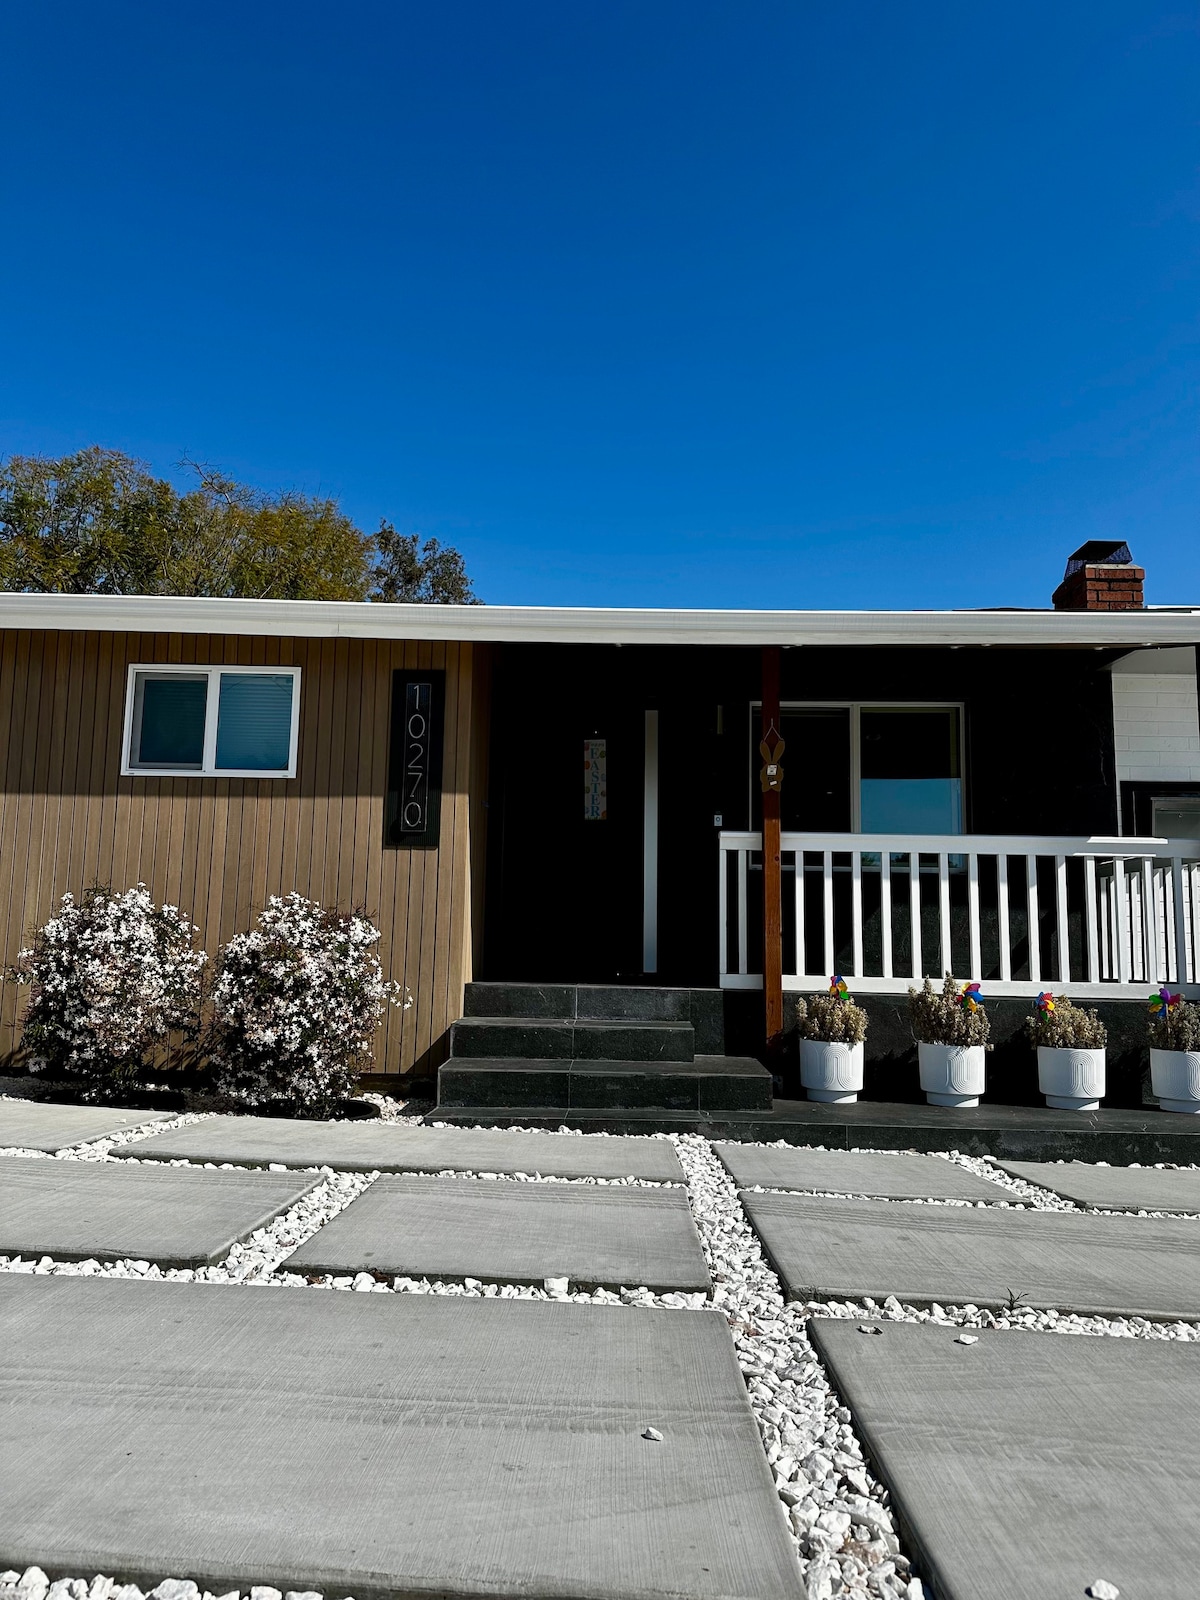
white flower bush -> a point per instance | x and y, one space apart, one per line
111 977
295 1005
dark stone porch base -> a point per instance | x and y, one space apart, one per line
1016 1132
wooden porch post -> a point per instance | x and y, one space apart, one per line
772 873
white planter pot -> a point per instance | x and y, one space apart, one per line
1071 1080
952 1074
1175 1079
831 1072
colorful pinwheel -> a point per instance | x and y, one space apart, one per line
971 997
1045 1002
837 988
1164 1000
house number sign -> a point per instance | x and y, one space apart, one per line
414 793
414 799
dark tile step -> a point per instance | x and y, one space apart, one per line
607 1002
755 1125
466 1082
710 1083
703 1008
728 1083
535 1000
553 1039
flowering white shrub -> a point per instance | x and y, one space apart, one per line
296 1003
111 976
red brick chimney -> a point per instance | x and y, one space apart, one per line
1101 576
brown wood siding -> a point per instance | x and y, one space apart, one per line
218 847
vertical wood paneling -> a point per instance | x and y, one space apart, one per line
219 847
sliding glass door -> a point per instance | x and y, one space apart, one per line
867 769
910 770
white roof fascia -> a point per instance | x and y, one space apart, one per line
584 625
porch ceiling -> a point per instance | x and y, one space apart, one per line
1153 626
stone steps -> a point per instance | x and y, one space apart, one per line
593 1050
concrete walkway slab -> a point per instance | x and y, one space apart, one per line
888 1177
39 1125
385 1147
381 1445
512 1233
175 1216
1113 1188
959 1255
1030 1463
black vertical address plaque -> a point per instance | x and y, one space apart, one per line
413 811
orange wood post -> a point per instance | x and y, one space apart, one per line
772 871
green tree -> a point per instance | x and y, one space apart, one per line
74 526
98 522
428 574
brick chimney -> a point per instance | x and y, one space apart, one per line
1101 576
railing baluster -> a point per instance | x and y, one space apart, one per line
885 911
1061 913
1089 906
743 863
827 908
1124 973
856 926
1033 929
801 953
1002 918
914 911
973 916
1150 923
944 910
1181 940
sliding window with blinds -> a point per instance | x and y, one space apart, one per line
211 722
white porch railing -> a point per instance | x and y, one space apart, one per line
1106 918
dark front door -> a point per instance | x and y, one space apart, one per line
564 881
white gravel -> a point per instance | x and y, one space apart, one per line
837 1510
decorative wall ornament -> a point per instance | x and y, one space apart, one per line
771 775
595 780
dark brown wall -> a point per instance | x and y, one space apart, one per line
218 847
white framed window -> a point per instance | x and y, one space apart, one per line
216 722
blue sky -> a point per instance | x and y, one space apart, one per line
855 305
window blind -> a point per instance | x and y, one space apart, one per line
254 721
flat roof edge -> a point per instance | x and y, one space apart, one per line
582 625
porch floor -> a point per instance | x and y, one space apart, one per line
1030 1133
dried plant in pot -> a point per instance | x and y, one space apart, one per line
832 1030
1175 1052
951 1027
1070 1042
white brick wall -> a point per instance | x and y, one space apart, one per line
1155 728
